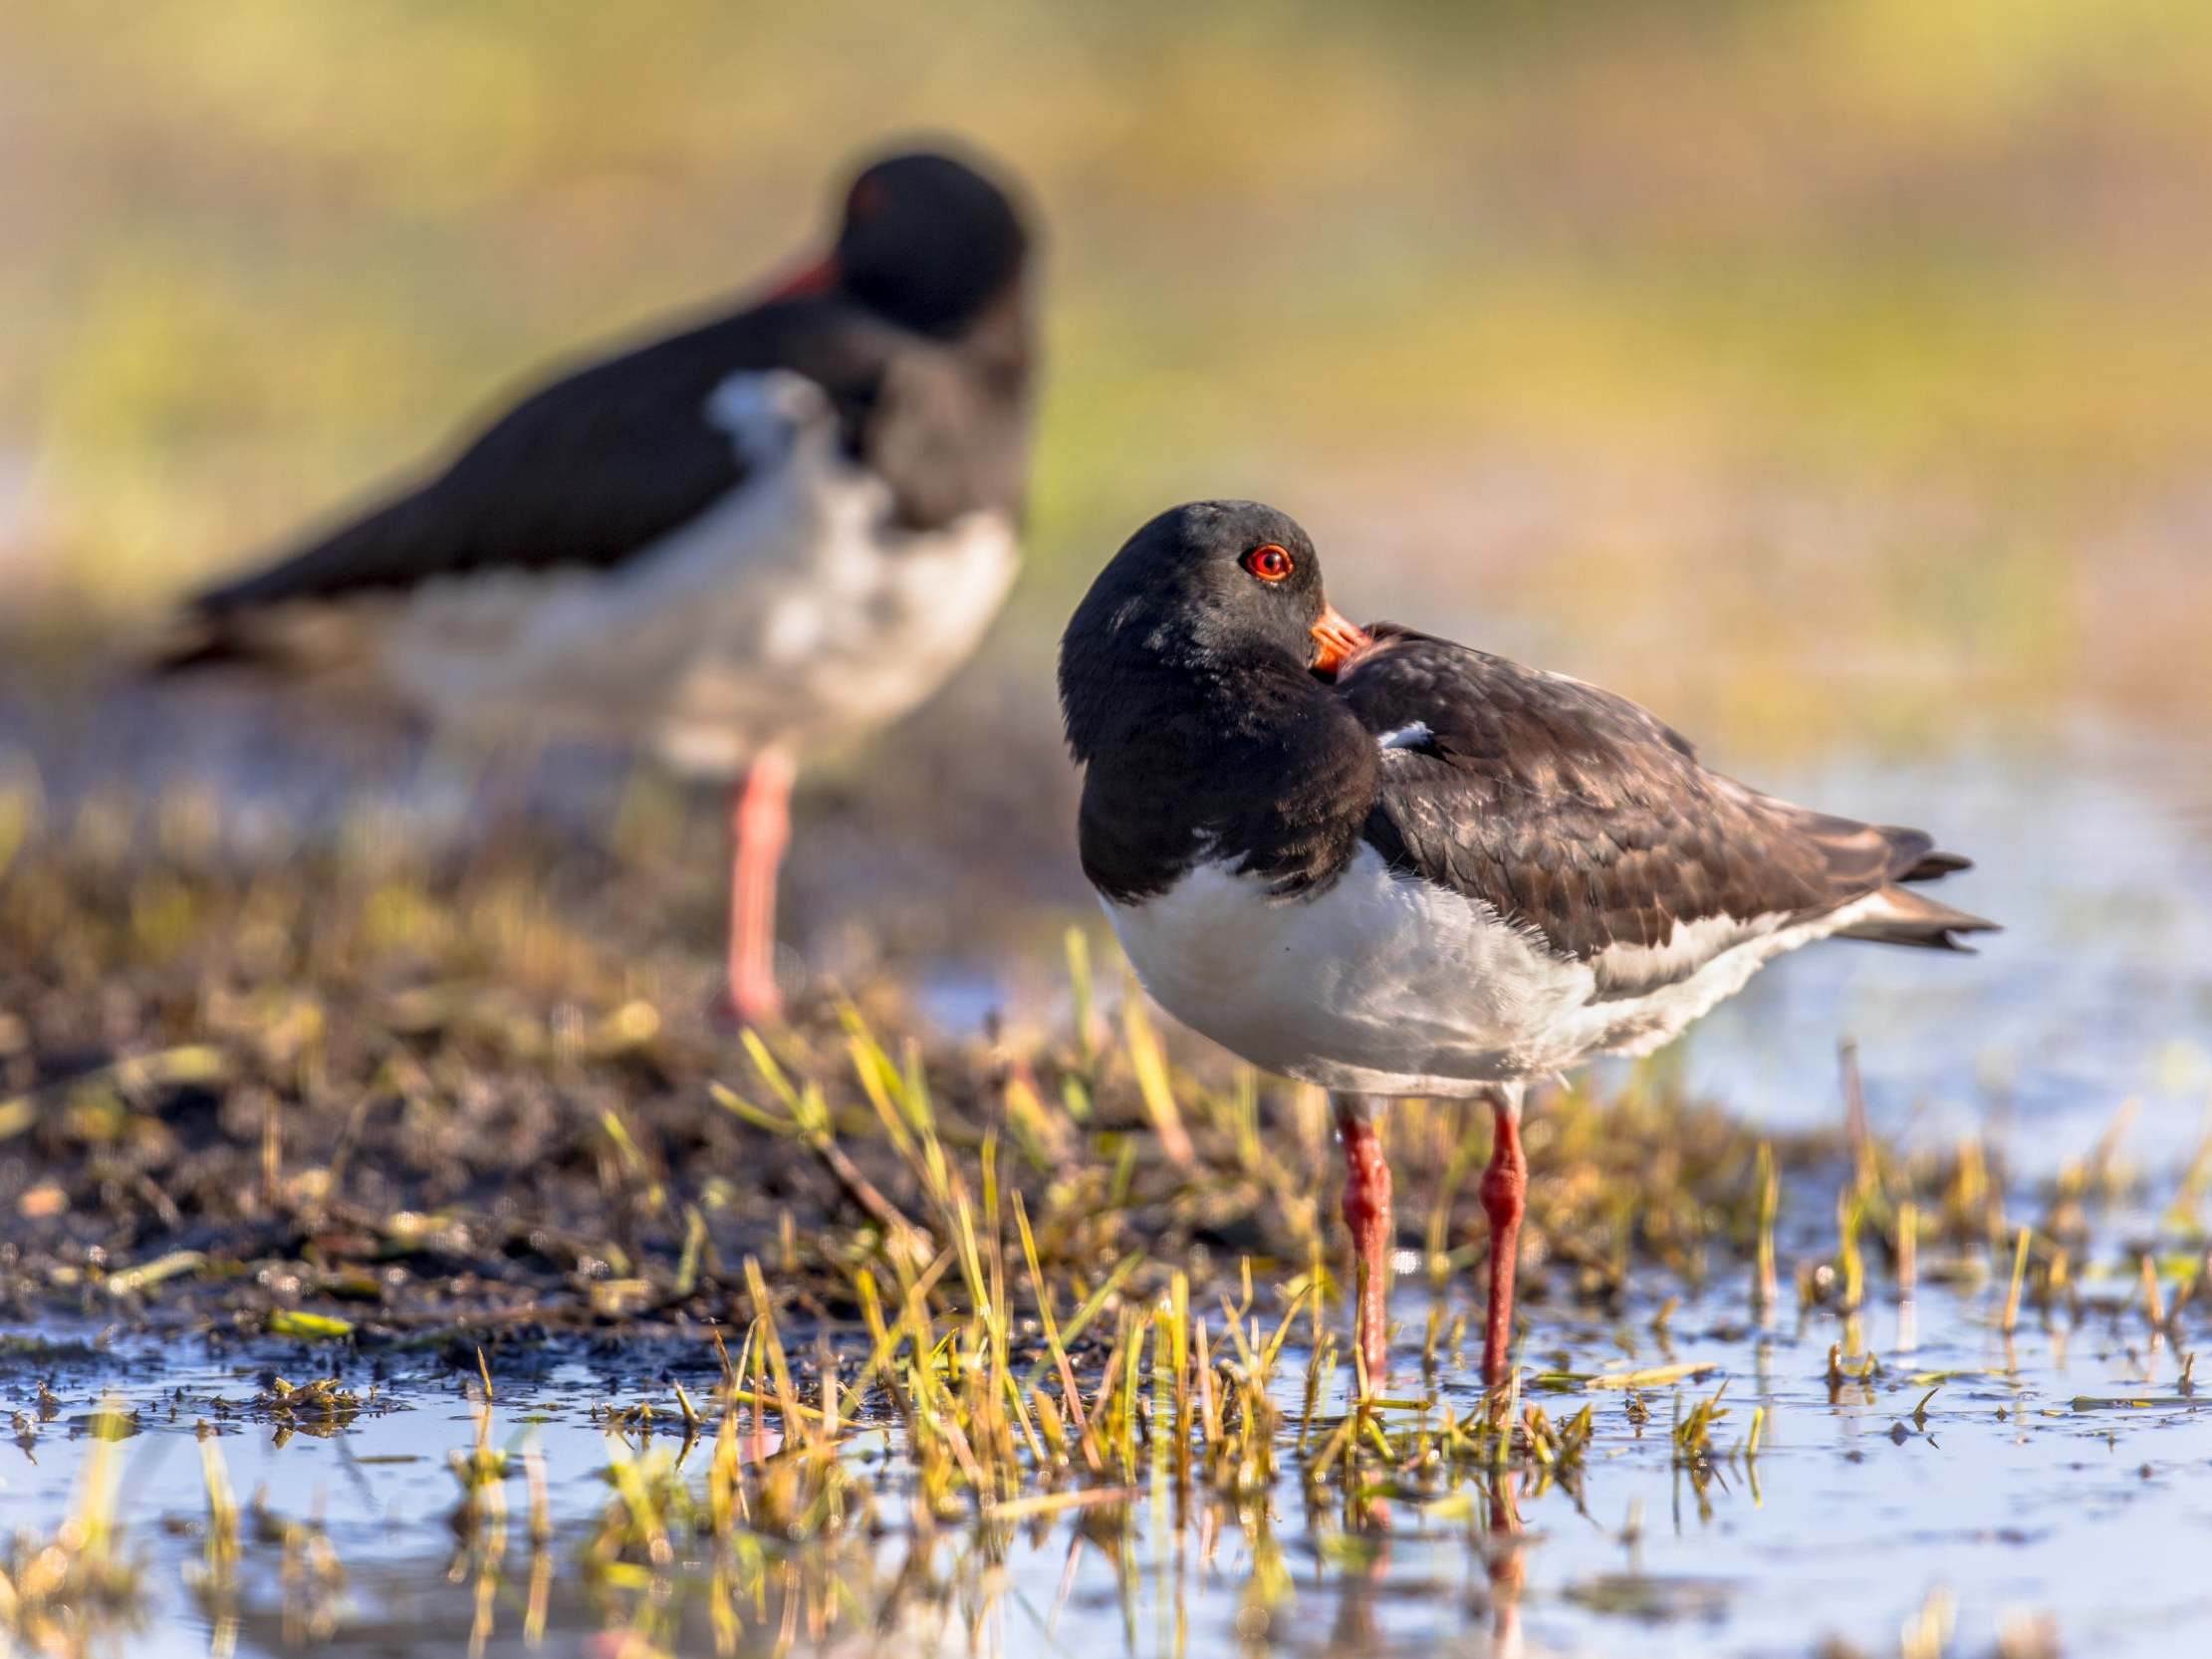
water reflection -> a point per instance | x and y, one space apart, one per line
1825 1458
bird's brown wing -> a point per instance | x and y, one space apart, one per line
1576 814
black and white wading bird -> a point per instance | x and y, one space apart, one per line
777 528
1387 865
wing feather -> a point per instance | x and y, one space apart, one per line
1577 813
600 464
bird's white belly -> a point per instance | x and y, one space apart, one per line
793 611
1389 985
1379 983
866 624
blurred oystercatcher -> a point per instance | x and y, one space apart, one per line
776 528
1388 864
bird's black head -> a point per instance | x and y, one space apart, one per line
926 242
1211 594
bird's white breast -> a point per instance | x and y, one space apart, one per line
1386 984
793 611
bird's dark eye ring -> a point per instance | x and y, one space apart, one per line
1269 562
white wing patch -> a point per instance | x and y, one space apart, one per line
1630 969
1406 737
766 410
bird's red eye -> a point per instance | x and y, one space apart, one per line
1269 562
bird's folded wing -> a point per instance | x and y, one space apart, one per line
586 472
1576 815
597 466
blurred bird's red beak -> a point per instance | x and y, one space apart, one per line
817 278
1340 640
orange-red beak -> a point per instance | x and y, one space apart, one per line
817 278
1340 638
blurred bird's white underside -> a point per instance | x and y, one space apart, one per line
1385 984
794 611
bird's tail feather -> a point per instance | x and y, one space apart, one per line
1908 918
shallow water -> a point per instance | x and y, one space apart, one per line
2064 1474
2095 853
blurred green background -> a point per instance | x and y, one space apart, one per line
1801 368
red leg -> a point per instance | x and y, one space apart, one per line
760 827
1368 1215
1505 1185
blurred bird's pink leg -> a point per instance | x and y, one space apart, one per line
1368 1215
1504 1186
760 828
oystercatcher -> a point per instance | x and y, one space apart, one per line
1388 864
778 527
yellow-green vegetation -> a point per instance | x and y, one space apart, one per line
383 1095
